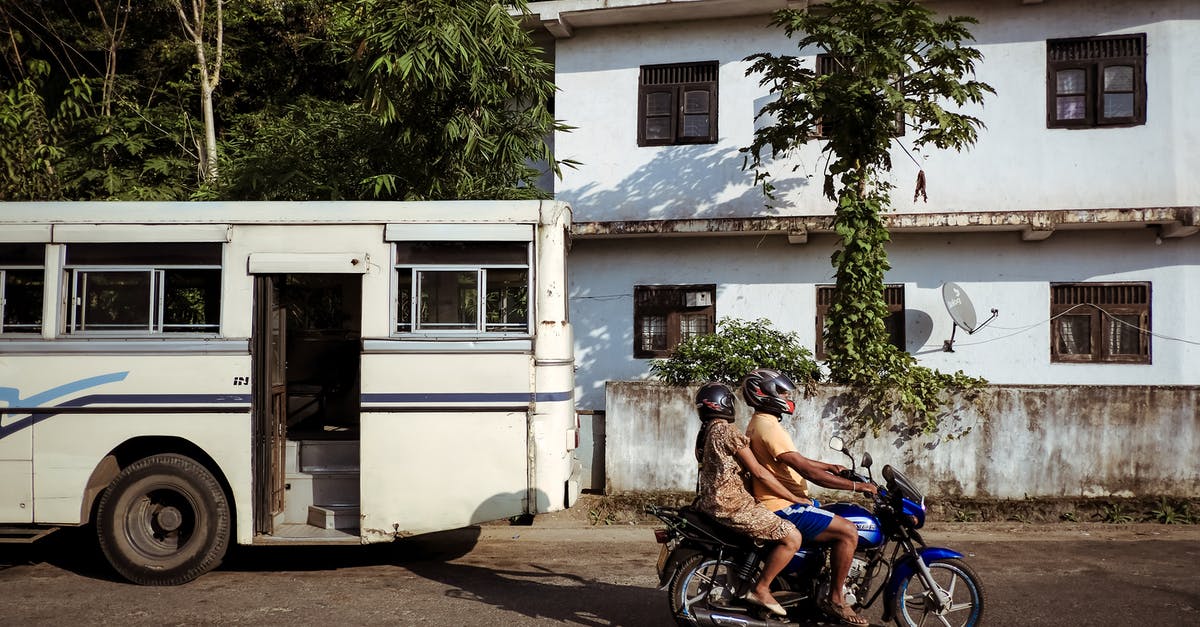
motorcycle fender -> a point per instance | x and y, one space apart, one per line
674 561
905 567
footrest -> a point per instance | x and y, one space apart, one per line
24 535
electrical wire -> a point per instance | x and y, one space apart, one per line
1020 330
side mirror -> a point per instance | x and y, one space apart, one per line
866 460
837 444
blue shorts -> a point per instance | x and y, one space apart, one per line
810 520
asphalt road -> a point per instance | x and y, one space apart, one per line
544 575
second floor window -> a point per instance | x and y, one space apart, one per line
1100 322
665 315
137 289
894 323
21 284
1096 81
677 104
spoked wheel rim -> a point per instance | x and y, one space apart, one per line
710 585
953 603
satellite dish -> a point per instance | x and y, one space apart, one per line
962 312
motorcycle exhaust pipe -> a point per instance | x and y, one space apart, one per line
721 619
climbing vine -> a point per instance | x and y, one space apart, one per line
890 68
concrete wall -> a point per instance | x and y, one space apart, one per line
1018 164
1025 441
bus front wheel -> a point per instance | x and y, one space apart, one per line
163 521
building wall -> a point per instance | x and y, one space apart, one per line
765 277
1024 441
1018 164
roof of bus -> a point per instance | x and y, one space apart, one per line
311 212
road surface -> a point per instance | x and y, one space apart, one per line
1060 575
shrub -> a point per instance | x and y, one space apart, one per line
738 347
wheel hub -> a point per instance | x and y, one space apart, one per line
169 519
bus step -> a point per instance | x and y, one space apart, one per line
333 516
327 456
24 535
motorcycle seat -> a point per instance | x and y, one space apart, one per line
717 531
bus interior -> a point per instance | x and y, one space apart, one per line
307 365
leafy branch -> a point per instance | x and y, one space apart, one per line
894 61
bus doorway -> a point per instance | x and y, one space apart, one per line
307 352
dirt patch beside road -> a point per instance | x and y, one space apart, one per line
611 513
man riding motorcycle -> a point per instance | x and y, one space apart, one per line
770 394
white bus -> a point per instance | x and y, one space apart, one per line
189 374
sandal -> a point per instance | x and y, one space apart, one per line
773 608
842 613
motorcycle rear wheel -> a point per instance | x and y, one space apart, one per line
707 583
956 581
701 582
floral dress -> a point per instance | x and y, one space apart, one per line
723 494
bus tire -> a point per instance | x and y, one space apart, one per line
163 521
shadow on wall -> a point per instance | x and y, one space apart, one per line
680 182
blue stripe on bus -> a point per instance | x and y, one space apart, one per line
157 399
466 397
36 412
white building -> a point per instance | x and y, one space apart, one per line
1106 199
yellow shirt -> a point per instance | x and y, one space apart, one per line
768 441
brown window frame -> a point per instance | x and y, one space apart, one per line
675 80
826 64
669 303
1094 301
1091 55
892 293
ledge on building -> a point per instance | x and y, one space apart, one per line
561 17
1171 222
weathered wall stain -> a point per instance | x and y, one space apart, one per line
1024 441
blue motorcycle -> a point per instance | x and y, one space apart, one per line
707 568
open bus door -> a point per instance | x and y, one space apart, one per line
270 400
307 348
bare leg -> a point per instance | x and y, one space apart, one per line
779 557
842 534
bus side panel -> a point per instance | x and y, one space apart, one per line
445 440
425 472
16 447
107 400
16 491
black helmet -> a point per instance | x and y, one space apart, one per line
714 400
770 391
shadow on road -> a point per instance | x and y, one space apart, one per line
76 550
437 547
540 593
72 549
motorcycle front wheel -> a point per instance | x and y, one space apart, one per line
961 593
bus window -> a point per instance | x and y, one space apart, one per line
144 289
21 281
463 287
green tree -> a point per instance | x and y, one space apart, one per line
893 60
350 99
463 93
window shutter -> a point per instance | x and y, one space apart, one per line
677 104
1096 81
